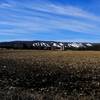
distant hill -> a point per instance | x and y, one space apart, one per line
50 45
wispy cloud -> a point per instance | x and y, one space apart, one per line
5 5
67 10
59 9
37 17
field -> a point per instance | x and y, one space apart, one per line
49 75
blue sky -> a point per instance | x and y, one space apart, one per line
60 20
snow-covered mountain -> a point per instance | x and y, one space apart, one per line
60 44
41 44
76 45
50 44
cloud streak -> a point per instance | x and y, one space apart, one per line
38 17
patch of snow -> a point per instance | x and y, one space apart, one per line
41 44
61 44
56 45
88 44
77 45
33 45
36 44
45 44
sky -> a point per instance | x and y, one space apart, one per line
59 20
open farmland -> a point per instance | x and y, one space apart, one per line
49 75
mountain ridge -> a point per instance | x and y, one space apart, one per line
49 45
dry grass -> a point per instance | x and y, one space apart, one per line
49 75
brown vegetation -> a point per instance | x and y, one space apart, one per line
49 75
